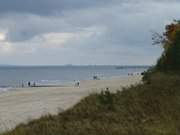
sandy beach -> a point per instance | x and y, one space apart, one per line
24 104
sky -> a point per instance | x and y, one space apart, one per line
83 32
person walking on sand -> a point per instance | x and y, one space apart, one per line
77 84
29 84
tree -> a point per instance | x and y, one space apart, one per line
170 40
170 58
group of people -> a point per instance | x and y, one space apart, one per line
29 84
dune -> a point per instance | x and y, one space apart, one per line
23 104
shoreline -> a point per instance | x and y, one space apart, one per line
62 84
24 104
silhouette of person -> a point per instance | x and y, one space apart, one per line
29 84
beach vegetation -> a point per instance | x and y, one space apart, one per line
144 109
170 59
151 108
169 62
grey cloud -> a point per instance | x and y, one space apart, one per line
121 30
46 7
117 17
49 7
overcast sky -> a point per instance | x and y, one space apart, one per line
58 32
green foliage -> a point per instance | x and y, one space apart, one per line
106 98
146 109
169 62
170 59
148 74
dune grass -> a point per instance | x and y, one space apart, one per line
145 109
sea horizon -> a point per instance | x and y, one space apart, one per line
19 76
72 65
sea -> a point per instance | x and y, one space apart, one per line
19 76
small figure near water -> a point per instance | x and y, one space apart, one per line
130 74
29 84
96 77
77 84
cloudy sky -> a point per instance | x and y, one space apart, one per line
58 32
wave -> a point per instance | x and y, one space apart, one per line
5 89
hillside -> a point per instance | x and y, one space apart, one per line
145 109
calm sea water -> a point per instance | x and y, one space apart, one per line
15 76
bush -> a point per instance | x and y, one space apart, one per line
145 109
170 59
106 98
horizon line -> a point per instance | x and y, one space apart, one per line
33 65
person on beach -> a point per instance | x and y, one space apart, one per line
29 84
77 84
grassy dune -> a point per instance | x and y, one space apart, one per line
145 109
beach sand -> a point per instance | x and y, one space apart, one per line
24 104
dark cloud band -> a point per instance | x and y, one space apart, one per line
46 7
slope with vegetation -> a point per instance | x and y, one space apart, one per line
151 108
169 62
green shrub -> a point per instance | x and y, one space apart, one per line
170 58
106 98
144 109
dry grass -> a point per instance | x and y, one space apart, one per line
146 109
